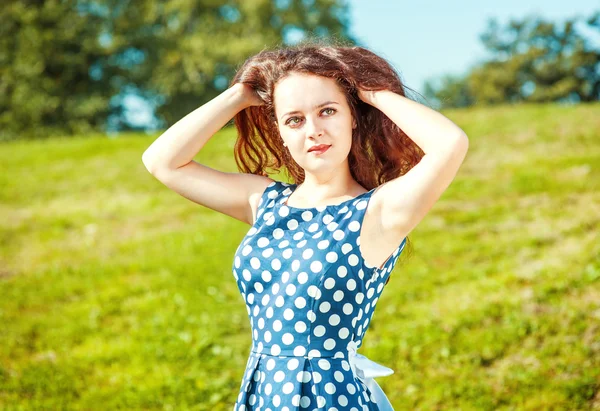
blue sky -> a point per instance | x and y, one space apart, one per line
427 39
430 38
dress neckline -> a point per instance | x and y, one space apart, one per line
321 207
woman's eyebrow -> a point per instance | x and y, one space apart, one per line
314 108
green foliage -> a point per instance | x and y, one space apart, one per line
118 293
65 65
532 61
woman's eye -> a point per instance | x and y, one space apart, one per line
296 120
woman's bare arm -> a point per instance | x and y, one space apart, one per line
170 158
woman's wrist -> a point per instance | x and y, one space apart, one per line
237 96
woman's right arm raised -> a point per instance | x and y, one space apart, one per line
170 158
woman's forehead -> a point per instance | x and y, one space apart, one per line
305 89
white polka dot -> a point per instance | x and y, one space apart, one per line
353 260
319 331
354 226
299 350
307 215
329 283
343 400
287 338
324 364
332 226
295 400
327 219
306 254
338 235
288 387
338 296
323 244
293 364
348 308
290 289
361 204
329 344
288 314
359 298
324 307
351 284
331 257
316 266
278 233
255 263
279 376
300 302
246 274
303 376
300 326
275 350
334 319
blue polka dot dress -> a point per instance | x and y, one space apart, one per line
310 297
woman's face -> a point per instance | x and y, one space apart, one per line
312 110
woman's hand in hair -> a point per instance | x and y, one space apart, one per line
248 95
368 96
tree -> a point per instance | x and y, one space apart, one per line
533 61
65 65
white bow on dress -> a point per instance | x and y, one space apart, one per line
366 370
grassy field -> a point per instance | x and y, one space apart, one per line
118 293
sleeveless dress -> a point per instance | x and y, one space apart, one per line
310 297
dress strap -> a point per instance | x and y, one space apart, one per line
268 198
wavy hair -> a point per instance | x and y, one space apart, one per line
380 150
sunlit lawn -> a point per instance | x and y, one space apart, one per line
118 293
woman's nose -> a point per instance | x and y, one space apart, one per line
313 128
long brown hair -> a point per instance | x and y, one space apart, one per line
380 150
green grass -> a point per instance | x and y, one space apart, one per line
118 293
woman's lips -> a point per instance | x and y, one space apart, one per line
321 150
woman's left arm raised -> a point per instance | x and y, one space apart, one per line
405 200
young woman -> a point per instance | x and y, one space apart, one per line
367 164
